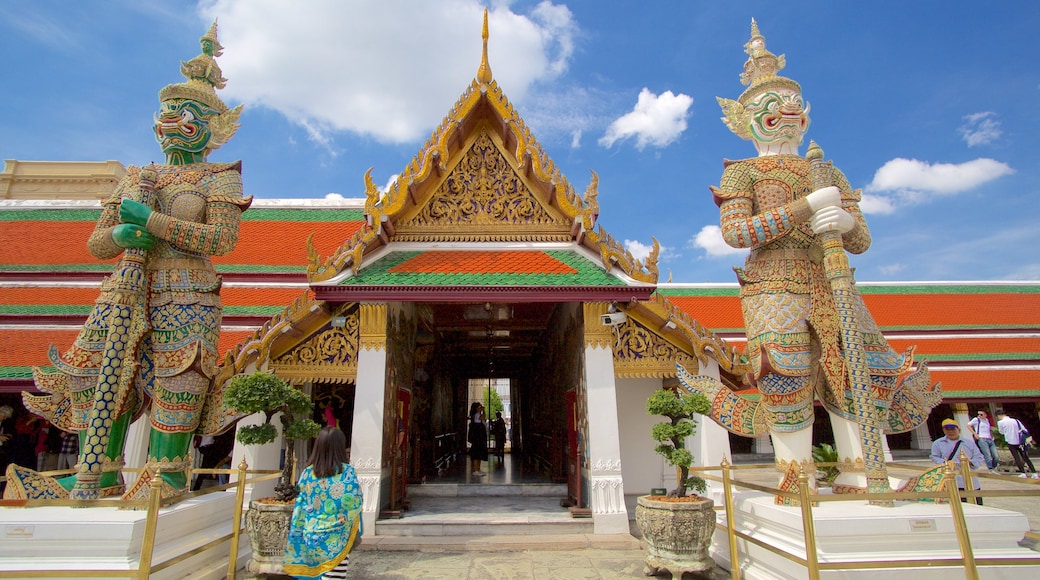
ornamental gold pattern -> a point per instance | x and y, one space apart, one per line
597 335
330 356
639 352
484 194
373 326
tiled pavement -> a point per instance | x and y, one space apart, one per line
574 556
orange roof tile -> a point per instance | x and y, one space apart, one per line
482 262
29 346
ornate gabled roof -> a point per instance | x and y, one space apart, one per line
481 178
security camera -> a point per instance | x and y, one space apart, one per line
613 318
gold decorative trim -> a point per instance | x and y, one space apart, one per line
301 374
597 334
330 353
703 340
850 465
373 327
642 353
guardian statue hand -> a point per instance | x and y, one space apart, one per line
832 219
134 212
821 198
132 236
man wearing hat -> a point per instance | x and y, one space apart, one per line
949 448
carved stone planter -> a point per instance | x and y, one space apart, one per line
268 528
677 534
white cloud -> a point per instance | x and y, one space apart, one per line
1026 272
876 204
891 269
334 196
335 66
711 241
576 139
389 183
639 250
980 129
655 120
901 182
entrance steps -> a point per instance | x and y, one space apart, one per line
461 515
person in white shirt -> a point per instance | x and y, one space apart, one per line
1014 435
981 429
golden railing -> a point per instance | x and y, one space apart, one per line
155 503
951 495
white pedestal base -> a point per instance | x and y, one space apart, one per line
63 538
855 531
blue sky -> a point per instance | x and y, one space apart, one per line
928 106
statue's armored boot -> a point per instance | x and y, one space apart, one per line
176 410
100 477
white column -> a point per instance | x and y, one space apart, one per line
763 444
135 451
920 438
609 515
366 440
266 456
710 442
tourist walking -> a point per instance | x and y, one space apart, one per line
1015 435
982 431
326 519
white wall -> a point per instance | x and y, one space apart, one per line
640 466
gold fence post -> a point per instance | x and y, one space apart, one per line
144 566
808 527
971 572
240 495
969 484
731 533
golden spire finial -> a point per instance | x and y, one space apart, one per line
484 72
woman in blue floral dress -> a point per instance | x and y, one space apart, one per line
326 520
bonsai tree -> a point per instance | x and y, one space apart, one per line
265 393
671 436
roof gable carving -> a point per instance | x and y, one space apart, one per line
480 177
483 198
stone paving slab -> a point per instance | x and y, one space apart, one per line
533 564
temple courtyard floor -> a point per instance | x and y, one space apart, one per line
587 557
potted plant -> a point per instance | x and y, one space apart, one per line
267 520
678 527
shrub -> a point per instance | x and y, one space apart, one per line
268 394
679 408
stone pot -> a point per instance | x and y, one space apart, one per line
677 534
268 527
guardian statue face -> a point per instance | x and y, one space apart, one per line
778 115
183 126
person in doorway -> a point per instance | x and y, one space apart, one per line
949 448
69 450
215 451
498 431
477 437
981 429
326 519
1015 435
